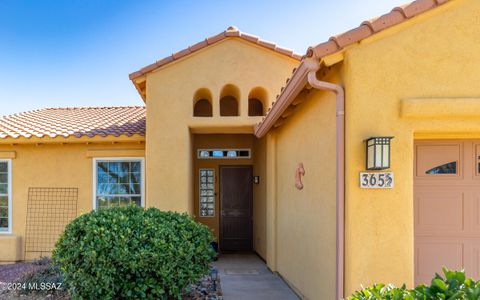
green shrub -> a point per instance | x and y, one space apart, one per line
380 291
455 286
133 253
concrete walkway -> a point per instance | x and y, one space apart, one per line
245 276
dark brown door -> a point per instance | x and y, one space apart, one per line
236 228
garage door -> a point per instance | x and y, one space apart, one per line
447 207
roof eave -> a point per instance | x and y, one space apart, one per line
332 52
371 27
73 139
294 86
141 90
213 40
231 32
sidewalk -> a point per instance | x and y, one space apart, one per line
245 276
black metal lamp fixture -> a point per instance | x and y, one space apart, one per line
378 152
214 277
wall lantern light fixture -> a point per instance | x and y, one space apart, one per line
378 152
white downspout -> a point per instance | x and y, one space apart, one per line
313 66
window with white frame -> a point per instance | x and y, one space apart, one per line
118 182
5 196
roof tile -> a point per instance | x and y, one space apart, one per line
163 61
396 16
418 7
75 122
215 38
325 48
148 68
269 45
250 37
392 18
352 36
181 53
230 32
366 29
284 51
198 46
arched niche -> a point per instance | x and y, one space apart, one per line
257 102
229 101
202 103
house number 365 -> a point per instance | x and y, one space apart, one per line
376 180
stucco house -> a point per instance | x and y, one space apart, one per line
361 166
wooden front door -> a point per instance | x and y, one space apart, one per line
236 197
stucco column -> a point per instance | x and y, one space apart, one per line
271 214
169 169
243 103
215 103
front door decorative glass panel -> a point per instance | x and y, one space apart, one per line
223 153
4 197
207 192
119 183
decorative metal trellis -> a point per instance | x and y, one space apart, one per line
49 210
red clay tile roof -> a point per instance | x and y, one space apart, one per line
336 44
230 32
75 122
370 27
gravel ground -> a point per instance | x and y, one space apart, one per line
15 296
13 272
206 289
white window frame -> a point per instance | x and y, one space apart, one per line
9 191
118 159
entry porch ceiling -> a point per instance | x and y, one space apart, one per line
221 129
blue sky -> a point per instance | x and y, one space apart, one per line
57 53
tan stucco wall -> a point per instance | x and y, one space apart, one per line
436 55
52 165
305 219
170 92
10 248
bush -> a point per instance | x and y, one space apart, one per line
380 291
455 286
133 253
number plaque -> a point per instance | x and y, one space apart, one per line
376 180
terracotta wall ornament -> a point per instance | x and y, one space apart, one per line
298 176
